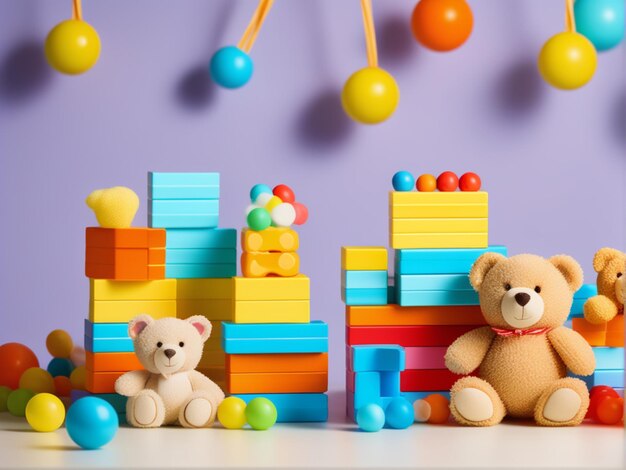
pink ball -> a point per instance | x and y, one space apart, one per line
302 213
78 356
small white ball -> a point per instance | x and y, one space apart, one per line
422 411
283 215
263 199
250 208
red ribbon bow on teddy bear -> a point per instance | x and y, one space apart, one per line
520 332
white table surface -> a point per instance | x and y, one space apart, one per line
337 443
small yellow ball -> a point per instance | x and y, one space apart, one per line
78 378
59 343
273 202
72 47
232 413
370 95
37 380
567 61
45 412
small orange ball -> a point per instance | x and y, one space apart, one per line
439 408
63 386
426 183
78 378
610 410
59 344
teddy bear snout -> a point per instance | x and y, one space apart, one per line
522 307
169 353
522 298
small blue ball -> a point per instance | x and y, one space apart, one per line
60 366
601 21
231 67
403 181
399 413
259 189
91 422
370 418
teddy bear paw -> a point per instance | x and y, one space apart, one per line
564 403
474 404
197 413
146 410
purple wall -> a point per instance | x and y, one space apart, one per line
553 161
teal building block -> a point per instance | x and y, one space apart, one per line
433 282
440 261
436 298
275 345
201 238
184 207
200 271
364 296
201 256
104 345
296 407
183 192
609 358
377 358
612 378
366 389
158 178
276 338
106 330
364 279
183 221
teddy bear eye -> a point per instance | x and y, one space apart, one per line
181 344
537 289
159 344
619 274
507 286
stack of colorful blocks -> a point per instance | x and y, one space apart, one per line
271 251
364 275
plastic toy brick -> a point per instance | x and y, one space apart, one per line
272 311
201 255
101 382
196 271
213 309
612 378
594 338
364 296
609 358
201 238
279 239
275 346
395 315
265 264
438 240
183 220
123 290
212 359
247 363
441 211
118 311
364 279
272 288
158 178
440 261
315 329
586 291
106 330
456 225
99 237
292 382
368 384
121 256
204 289
112 362
406 335
376 358
125 272
105 345
425 358
438 197
364 258
427 380
582 325
433 282
296 407
184 207
118 402
183 192
577 310
391 294
416 298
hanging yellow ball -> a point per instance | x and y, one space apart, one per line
72 47
567 61
370 95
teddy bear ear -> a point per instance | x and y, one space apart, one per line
201 324
138 324
603 256
482 266
570 269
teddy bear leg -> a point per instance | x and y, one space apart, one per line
145 410
198 411
563 403
474 402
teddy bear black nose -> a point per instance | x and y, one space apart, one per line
522 298
169 353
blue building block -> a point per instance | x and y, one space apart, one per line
183 221
184 207
433 282
106 330
296 407
180 192
609 358
200 271
367 389
580 297
201 238
612 378
364 296
440 261
104 345
364 279
201 255
275 338
158 178
386 357
436 298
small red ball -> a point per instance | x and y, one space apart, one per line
470 182
285 193
15 359
610 410
447 181
302 213
596 395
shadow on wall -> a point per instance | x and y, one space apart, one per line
619 120
24 71
395 41
519 90
196 90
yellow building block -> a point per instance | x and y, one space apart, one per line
364 258
400 241
214 310
272 288
432 211
272 311
101 289
212 359
270 239
439 225
204 289
121 311
438 197
264 264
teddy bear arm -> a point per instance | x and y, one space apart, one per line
131 383
200 381
573 350
599 309
468 351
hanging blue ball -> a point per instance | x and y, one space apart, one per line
403 181
231 67
370 418
601 21
399 413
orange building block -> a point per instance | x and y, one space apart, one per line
271 239
125 272
265 264
111 362
606 334
139 237
216 374
395 315
291 382
102 382
251 363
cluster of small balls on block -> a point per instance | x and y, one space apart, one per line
399 414
605 405
447 181
274 207
234 413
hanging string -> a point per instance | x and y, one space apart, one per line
252 31
77 10
570 21
370 33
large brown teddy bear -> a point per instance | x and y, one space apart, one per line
521 358
169 390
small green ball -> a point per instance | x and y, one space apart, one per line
4 396
17 401
259 219
261 413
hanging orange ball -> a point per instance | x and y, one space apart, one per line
442 25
